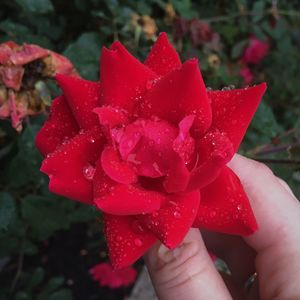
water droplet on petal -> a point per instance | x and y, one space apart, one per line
138 242
177 214
88 172
213 213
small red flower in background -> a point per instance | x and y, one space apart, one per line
253 54
107 276
256 51
144 145
22 71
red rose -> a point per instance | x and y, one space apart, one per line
144 144
255 51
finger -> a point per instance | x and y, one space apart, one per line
238 256
186 272
275 209
277 240
286 186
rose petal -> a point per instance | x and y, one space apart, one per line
59 127
123 78
118 170
225 207
129 200
148 145
171 223
67 166
180 93
111 116
177 177
27 54
162 58
82 97
215 150
107 276
12 76
234 109
125 239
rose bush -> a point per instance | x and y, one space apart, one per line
148 145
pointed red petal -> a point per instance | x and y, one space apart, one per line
171 223
177 177
233 110
162 58
129 200
214 150
126 242
67 166
110 116
123 78
180 93
225 207
82 97
117 169
59 127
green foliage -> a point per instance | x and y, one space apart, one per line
30 216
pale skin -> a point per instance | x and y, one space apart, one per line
188 273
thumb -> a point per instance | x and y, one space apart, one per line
186 272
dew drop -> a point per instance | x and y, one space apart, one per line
213 213
88 172
177 214
138 242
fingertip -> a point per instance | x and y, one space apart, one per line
186 272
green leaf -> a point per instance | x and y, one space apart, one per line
64 294
238 48
258 10
54 283
36 6
7 210
84 53
44 215
22 296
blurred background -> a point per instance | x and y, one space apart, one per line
48 245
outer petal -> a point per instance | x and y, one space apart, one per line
162 58
214 150
129 200
66 167
126 240
225 207
171 223
233 110
123 78
180 93
120 199
82 97
59 127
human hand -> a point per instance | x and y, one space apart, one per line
273 251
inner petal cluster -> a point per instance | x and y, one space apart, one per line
145 147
